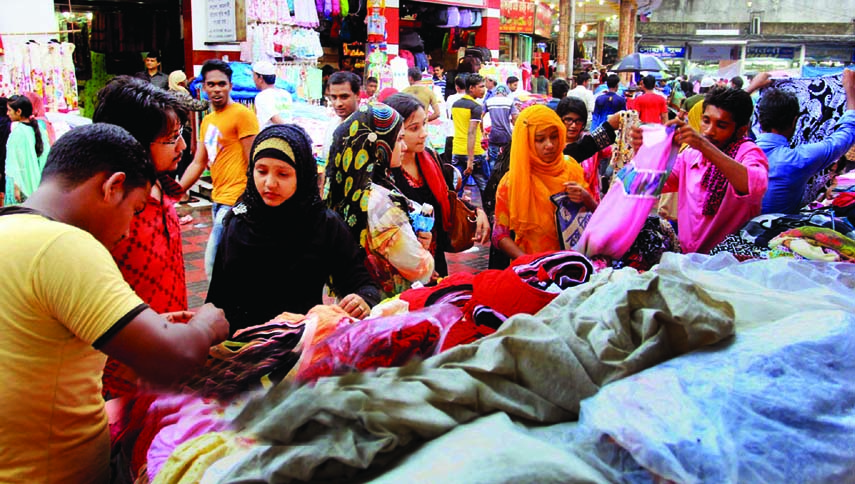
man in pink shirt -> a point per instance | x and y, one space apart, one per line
651 107
721 176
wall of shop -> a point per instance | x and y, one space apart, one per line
28 16
724 11
196 48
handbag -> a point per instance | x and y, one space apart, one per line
463 224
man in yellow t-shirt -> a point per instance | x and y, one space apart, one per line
467 153
226 136
64 306
424 94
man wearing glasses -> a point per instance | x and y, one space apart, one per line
151 257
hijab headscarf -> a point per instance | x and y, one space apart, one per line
360 155
291 144
39 113
532 181
175 80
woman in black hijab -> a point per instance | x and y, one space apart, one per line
281 245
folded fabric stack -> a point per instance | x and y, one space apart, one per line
813 243
754 240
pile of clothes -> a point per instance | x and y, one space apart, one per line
824 234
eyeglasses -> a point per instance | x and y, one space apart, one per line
568 120
172 141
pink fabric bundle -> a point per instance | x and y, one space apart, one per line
636 189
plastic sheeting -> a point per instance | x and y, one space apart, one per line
776 404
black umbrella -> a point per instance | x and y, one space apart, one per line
639 62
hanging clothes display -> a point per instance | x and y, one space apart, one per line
822 101
45 68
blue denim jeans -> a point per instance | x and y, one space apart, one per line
493 152
218 212
480 171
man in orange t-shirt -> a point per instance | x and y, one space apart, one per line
226 136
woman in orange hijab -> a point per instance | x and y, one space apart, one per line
525 214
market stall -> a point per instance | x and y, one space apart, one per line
487 395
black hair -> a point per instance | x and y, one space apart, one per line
268 79
141 108
216 65
88 150
572 105
460 81
153 54
327 70
582 78
473 80
776 110
346 77
436 64
737 82
371 79
23 103
649 82
467 65
612 81
405 104
735 101
687 88
511 80
560 88
414 74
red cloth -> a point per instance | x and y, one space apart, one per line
650 107
843 199
152 259
418 297
504 291
465 332
152 262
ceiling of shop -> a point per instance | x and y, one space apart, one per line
595 10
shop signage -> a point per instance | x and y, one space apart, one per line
771 51
663 51
704 52
221 21
517 17
543 20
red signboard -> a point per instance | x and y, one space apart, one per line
543 20
517 17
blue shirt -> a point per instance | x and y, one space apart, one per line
606 104
791 168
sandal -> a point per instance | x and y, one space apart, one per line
189 200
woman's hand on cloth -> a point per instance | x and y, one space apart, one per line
482 227
614 119
355 306
425 239
578 194
636 138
